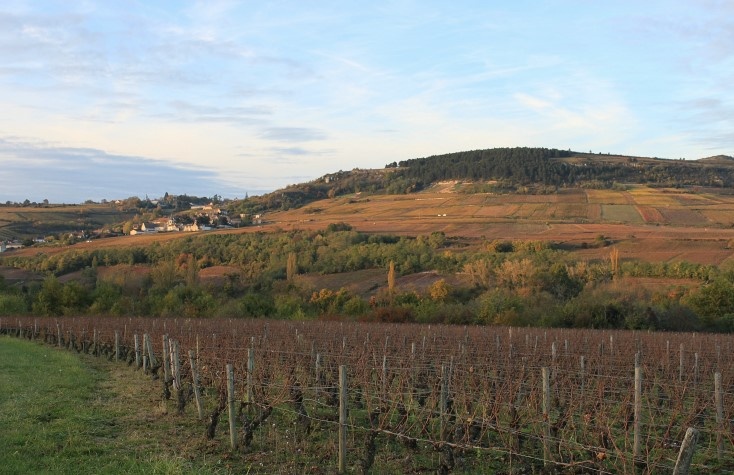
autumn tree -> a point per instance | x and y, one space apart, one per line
391 278
291 268
614 262
439 290
192 271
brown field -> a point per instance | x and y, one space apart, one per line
568 211
18 276
651 215
722 217
359 282
683 216
15 220
695 200
605 197
652 232
652 197
593 212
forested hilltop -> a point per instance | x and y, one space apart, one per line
504 170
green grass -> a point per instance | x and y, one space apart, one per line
62 413
621 214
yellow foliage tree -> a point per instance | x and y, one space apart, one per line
391 278
439 290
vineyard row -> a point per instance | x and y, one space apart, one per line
432 398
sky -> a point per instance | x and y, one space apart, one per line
106 99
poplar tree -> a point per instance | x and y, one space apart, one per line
391 278
291 266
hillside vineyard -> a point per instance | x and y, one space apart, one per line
435 398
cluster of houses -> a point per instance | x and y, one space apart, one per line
9 245
208 217
165 225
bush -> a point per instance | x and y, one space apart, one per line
12 305
390 315
334 227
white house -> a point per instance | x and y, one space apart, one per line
149 227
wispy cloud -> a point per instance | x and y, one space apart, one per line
37 171
187 112
292 134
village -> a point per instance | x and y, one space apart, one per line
187 219
199 218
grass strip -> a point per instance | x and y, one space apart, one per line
61 413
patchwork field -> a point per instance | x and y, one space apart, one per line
644 223
30 222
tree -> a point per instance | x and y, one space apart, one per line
480 272
713 300
291 266
164 275
48 300
192 271
439 290
391 278
614 262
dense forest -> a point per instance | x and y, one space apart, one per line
541 166
496 282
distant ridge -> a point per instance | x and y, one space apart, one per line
718 159
503 170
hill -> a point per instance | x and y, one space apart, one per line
502 170
499 171
504 250
19 222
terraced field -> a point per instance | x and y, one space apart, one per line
651 224
31 222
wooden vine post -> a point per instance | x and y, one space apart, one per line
638 408
137 351
176 366
719 402
443 401
195 384
683 463
384 377
177 361
582 361
680 363
342 419
546 416
148 344
231 407
166 360
117 345
250 371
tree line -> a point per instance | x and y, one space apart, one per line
524 283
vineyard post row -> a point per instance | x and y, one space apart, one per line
173 378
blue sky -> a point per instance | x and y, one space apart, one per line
109 99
